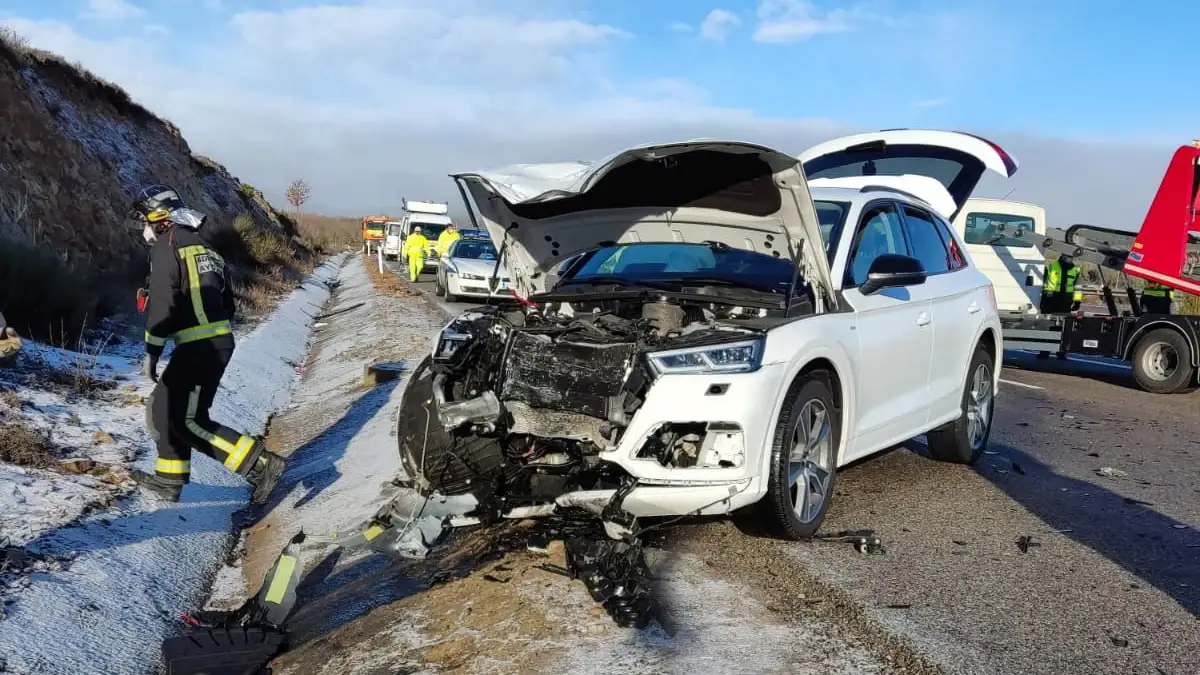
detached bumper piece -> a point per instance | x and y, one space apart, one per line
617 577
244 641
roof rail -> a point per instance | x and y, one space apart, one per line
887 188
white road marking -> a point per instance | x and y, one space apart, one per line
1020 384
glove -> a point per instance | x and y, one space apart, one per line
150 367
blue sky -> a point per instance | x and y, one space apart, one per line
413 88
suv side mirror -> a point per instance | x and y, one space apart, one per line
892 270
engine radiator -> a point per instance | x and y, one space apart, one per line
565 375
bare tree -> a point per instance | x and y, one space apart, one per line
298 193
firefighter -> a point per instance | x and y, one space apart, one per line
1058 291
447 238
191 304
414 250
1157 299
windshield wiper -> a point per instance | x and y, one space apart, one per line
603 280
722 281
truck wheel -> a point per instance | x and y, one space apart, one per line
1162 361
964 440
804 460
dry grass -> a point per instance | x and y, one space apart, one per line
267 265
329 234
389 283
23 445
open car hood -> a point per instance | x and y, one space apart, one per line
740 194
955 160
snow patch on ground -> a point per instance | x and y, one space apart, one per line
131 570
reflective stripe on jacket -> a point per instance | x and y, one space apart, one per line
1158 291
191 293
1054 277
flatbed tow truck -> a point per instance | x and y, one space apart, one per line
1163 349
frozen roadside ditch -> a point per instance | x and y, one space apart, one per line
338 435
123 573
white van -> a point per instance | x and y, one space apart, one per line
1014 266
393 243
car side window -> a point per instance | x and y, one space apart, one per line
879 233
954 255
927 243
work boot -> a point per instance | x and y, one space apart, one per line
158 487
264 475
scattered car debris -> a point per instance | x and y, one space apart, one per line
1131 500
1017 467
242 641
1117 641
899 606
1025 543
1109 472
343 310
864 541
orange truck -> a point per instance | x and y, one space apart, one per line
374 231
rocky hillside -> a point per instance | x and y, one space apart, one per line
74 149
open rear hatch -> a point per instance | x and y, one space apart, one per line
955 160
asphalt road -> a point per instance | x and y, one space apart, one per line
1104 479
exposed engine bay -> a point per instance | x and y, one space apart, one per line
516 405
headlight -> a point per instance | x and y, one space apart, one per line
470 277
447 343
734 357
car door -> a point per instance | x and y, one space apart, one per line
895 337
956 303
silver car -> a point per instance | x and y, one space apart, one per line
466 269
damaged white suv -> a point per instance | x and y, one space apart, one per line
731 326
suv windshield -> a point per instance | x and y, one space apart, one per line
699 263
474 250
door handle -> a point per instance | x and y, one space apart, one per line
923 319
973 308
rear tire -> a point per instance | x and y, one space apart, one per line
1162 362
804 458
964 440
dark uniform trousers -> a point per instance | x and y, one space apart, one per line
178 413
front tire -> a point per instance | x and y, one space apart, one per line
804 459
438 289
964 440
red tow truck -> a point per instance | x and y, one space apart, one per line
1163 349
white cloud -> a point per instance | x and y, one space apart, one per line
112 10
370 110
681 27
781 21
931 102
717 24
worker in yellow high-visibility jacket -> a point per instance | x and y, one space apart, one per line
446 239
1157 299
414 250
